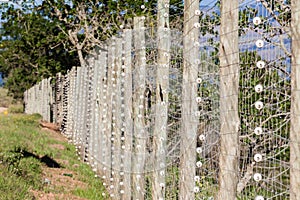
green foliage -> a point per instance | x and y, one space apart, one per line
39 40
31 49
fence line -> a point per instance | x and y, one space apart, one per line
198 113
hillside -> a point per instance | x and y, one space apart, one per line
41 164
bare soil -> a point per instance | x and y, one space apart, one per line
2 109
57 183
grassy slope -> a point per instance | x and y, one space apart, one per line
21 147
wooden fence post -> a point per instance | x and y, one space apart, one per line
81 111
108 117
116 116
229 85
102 65
189 104
127 107
295 104
65 102
139 151
42 99
72 99
89 113
49 102
77 108
58 99
161 107
95 109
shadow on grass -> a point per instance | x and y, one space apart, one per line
51 163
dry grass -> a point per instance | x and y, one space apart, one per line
5 100
8 102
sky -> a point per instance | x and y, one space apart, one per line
1 80
208 2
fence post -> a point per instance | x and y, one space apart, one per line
108 117
127 107
58 99
295 101
76 139
102 65
42 99
229 85
161 110
95 121
116 116
49 88
89 113
139 151
81 109
72 99
26 101
84 100
189 104
65 102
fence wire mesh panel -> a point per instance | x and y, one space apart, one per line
193 100
264 99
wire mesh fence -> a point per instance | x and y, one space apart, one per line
194 105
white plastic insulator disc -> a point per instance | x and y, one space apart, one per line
259 88
258 131
259 197
199 150
197 12
197 178
258 157
259 105
201 137
260 64
196 189
257 177
198 99
259 43
256 20
199 164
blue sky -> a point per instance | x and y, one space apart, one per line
208 2
1 80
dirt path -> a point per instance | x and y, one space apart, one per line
60 184
2 109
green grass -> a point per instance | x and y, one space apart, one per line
21 147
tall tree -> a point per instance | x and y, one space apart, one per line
31 49
87 24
